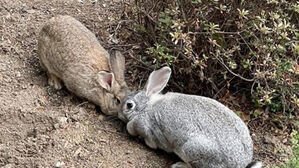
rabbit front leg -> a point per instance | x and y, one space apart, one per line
54 81
149 141
180 165
136 128
148 136
131 128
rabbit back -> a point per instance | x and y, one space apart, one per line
65 43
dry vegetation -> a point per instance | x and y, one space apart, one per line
213 45
234 52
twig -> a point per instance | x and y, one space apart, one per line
241 77
130 54
81 104
124 45
177 85
246 43
251 90
283 103
219 32
183 12
215 96
118 26
147 15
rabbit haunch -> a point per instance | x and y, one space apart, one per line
200 130
72 55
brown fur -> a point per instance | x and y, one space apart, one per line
71 53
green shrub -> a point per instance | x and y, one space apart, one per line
294 161
249 46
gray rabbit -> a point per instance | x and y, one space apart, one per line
201 131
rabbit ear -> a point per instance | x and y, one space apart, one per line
117 65
157 81
106 79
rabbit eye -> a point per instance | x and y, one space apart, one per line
130 105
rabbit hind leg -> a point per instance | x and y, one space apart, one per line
201 152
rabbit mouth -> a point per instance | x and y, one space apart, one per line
122 117
112 112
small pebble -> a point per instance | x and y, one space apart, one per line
59 164
75 117
82 111
56 126
101 117
18 74
9 166
128 152
62 120
31 11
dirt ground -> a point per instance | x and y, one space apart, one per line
42 127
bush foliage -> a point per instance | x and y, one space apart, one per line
247 45
294 161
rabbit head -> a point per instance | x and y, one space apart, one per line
135 103
113 84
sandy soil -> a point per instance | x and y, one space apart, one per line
41 127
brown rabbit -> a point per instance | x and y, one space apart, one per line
71 54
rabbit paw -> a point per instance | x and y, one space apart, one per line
180 165
42 65
54 82
151 143
131 128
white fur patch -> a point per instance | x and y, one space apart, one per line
257 165
155 98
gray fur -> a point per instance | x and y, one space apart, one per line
201 131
